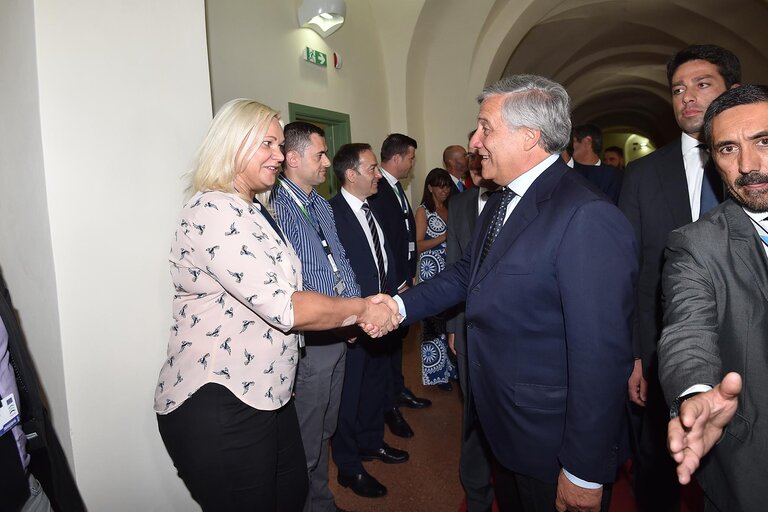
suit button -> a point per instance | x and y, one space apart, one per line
470 325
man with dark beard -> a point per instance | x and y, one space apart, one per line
715 284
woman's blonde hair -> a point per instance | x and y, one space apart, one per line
235 134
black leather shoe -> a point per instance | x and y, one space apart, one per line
408 399
386 454
363 485
396 423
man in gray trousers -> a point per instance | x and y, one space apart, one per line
307 221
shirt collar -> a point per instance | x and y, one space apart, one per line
303 196
352 201
688 142
390 179
760 218
522 183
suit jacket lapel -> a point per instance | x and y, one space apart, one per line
674 186
524 213
747 244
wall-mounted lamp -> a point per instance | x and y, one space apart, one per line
323 16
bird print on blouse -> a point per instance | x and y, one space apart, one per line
233 278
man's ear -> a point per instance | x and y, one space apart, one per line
350 175
735 85
531 138
292 158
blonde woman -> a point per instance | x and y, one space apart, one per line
223 398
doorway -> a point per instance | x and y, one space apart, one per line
337 133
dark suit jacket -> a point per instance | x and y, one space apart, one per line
462 215
606 178
389 213
455 189
654 197
548 327
358 251
716 321
47 460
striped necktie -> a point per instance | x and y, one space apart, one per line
497 223
376 247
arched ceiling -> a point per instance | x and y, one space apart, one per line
611 54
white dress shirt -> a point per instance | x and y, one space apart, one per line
694 160
357 208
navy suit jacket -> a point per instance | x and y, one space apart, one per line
358 251
389 213
606 178
654 197
548 327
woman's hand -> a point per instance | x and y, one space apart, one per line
381 315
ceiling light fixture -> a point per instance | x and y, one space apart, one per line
323 16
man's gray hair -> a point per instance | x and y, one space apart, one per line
535 102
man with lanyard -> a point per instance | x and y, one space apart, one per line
307 221
389 204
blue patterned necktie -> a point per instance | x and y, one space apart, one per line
709 198
460 186
497 223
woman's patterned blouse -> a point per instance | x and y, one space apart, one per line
232 310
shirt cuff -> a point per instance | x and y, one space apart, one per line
579 482
696 388
400 306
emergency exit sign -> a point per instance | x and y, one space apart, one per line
315 57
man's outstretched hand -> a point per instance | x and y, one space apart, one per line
700 424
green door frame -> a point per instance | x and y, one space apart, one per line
337 133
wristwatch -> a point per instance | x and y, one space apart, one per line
674 411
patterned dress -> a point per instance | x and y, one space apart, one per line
436 364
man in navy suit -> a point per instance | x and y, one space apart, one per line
661 192
548 284
360 431
587 145
398 153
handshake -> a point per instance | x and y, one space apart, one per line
381 316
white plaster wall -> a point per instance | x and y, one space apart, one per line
255 52
26 256
124 101
442 83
